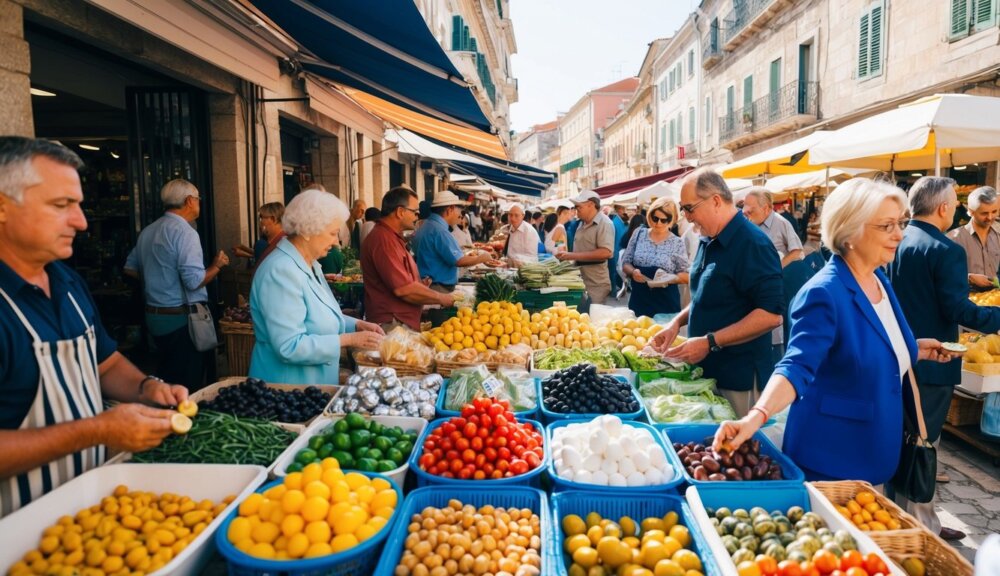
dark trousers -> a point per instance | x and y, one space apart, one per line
180 363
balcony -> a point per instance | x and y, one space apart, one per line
747 18
712 54
793 106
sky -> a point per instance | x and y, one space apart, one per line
566 48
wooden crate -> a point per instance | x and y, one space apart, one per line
839 493
209 393
964 410
239 339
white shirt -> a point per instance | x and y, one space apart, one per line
884 312
365 229
523 243
461 236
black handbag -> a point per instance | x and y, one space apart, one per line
916 476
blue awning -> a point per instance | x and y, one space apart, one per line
527 182
384 48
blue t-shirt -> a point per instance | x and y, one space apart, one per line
436 251
168 251
53 319
733 274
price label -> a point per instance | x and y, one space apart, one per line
491 386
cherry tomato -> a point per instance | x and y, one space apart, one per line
427 461
470 430
500 420
462 444
468 456
533 460
459 422
503 453
825 561
476 444
488 468
456 465
479 475
465 474
874 564
486 420
468 410
496 475
495 409
851 559
789 568
447 428
490 453
768 566
809 570
518 467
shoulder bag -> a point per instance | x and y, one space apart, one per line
201 326
916 474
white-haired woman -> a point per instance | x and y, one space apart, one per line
298 325
849 349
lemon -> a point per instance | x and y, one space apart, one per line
297 545
349 521
315 508
188 408
180 423
384 499
262 550
572 525
672 545
628 526
585 556
576 541
343 542
317 488
652 552
265 532
292 501
318 549
239 530
251 505
681 534
365 532
653 524
318 531
292 525
670 520
613 552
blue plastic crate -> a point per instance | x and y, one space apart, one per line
549 416
734 495
358 560
531 478
793 475
444 413
560 484
636 507
438 496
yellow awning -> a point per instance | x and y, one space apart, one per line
790 158
466 138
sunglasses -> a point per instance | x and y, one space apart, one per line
659 220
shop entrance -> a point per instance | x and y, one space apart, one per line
135 129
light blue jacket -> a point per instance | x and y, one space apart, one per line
297 321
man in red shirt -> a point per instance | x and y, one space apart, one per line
394 293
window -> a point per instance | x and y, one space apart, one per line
748 95
691 125
673 81
871 38
971 16
708 114
663 137
730 100
673 141
680 129
690 63
680 75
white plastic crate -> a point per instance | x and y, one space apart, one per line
23 529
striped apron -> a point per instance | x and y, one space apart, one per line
68 389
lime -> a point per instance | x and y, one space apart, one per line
325 450
343 458
315 442
367 465
355 421
341 426
394 432
376 428
341 441
305 456
360 438
383 443
375 454
396 456
404 446
360 452
385 466
293 467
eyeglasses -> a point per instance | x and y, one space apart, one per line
689 208
659 220
891 227
414 211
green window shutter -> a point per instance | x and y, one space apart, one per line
456 32
863 44
663 137
672 134
959 19
730 99
747 93
691 124
985 14
775 79
877 34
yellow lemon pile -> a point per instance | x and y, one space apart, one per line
316 512
127 533
654 547
632 333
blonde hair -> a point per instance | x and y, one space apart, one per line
665 205
850 206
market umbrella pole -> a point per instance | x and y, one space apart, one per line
937 159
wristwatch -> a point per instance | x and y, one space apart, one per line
712 344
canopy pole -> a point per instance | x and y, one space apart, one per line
937 159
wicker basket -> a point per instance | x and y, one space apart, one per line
964 410
363 360
239 340
939 558
404 370
839 493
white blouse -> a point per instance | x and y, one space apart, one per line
883 309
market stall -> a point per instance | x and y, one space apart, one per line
553 445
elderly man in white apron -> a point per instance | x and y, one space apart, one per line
57 363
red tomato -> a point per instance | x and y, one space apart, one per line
503 453
856 571
501 432
518 467
479 475
447 444
789 568
851 559
465 474
496 475
468 456
426 461
488 468
768 566
500 420
518 450
500 441
474 419
503 465
430 444
462 444
486 420
495 409
480 460
825 561
470 430
459 422
468 410
476 444
490 453
456 465
438 454
533 460
874 564
483 433
447 428
809 570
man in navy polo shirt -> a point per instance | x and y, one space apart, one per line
737 294
57 363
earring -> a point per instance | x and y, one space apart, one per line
849 245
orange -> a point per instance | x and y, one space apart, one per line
767 565
864 497
748 568
826 561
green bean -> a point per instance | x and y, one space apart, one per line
217 438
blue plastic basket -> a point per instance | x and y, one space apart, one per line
438 496
637 507
793 475
560 484
358 560
550 416
442 412
531 478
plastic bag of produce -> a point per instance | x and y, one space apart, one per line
521 386
465 384
667 386
407 347
676 408
514 386
601 315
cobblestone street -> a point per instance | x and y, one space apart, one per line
971 501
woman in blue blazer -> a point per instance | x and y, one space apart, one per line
298 326
849 349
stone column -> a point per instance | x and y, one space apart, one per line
15 67
231 191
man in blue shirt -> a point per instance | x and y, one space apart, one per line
619 217
737 294
168 258
57 362
929 276
436 251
